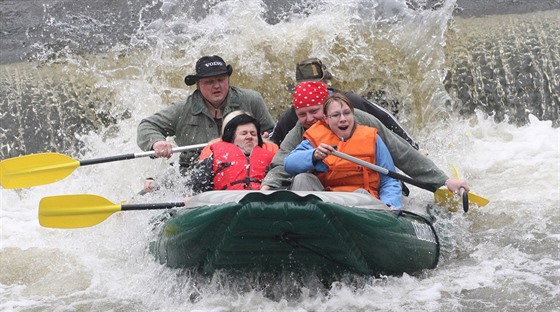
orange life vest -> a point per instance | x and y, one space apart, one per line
343 175
233 170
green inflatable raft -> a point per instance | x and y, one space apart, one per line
276 231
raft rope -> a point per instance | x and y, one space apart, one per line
295 244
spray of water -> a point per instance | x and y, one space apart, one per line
500 257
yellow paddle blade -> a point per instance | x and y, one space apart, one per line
455 171
445 197
75 211
35 169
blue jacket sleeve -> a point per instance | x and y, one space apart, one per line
390 191
301 160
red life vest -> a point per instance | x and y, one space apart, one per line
233 170
206 151
343 175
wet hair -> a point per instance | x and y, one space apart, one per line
228 134
338 97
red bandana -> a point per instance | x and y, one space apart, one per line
310 93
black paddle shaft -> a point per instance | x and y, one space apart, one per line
152 206
465 199
409 180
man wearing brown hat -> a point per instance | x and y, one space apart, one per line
198 118
313 69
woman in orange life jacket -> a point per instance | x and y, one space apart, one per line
315 169
237 162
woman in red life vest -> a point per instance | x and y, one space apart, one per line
316 169
237 162
206 151
150 185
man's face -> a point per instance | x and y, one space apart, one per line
309 115
214 89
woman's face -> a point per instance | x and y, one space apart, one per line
340 119
246 137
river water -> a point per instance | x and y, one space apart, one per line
480 92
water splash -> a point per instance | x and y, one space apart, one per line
500 257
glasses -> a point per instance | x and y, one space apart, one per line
336 116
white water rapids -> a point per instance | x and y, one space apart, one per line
502 257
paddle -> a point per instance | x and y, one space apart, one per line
444 193
445 197
84 210
45 168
